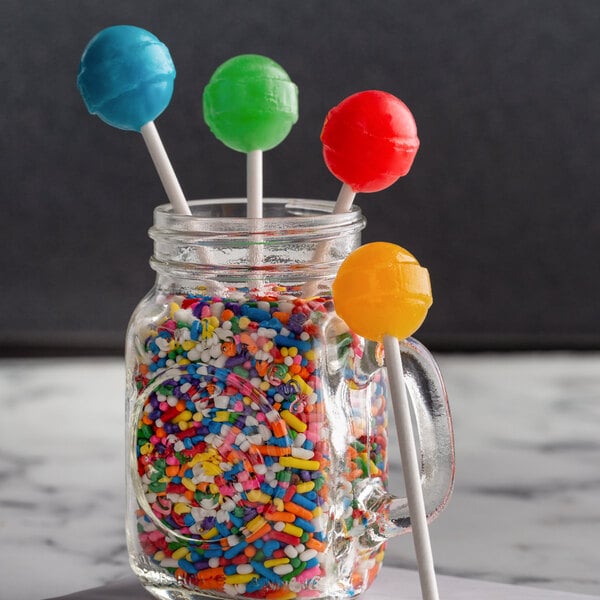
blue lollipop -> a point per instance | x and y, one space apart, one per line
126 77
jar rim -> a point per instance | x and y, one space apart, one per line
296 240
279 214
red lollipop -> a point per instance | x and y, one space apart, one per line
369 140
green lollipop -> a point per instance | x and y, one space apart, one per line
250 104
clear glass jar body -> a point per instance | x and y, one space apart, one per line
256 421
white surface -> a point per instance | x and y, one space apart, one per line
399 584
525 510
391 584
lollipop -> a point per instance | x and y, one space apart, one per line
369 141
126 78
381 289
383 294
250 104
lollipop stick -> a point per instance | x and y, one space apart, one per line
254 209
168 178
343 204
165 169
254 180
344 200
410 467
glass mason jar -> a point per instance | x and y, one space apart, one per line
256 421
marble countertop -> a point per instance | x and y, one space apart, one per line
525 509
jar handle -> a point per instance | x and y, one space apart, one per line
432 424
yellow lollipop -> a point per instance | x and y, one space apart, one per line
381 289
383 294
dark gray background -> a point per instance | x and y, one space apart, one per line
501 203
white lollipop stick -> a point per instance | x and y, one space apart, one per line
168 178
410 467
254 209
345 199
343 204
254 182
165 169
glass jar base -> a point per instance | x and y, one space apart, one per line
167 587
